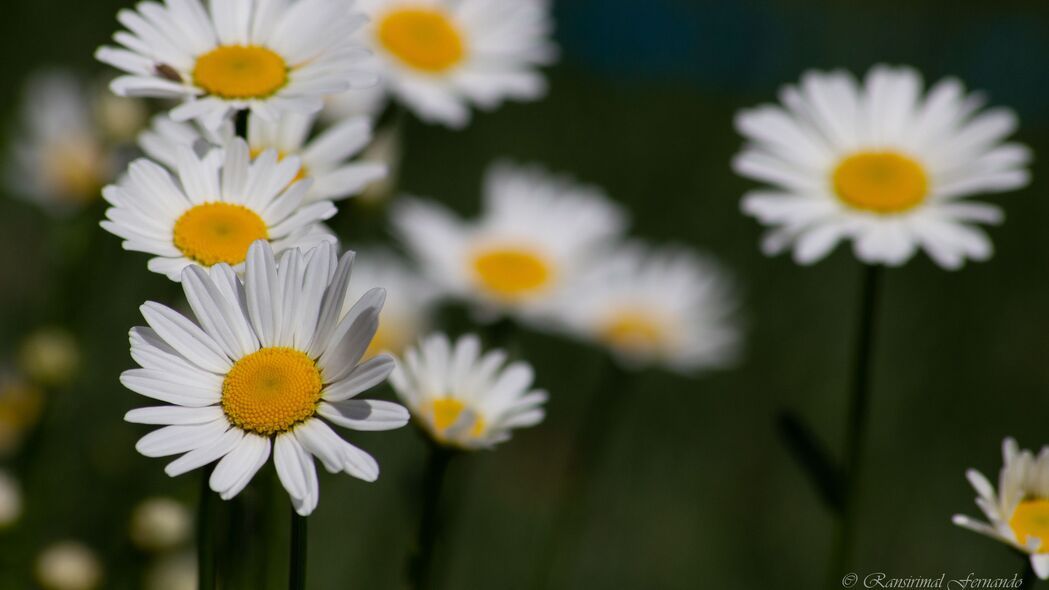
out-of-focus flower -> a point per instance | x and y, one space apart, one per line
160 524
881 165
50 356
463 398
173 572
10 500
272 356
364 102
387 148
1018 513
440 56
269 57
119 117
535 234
68 565
667 307
221 203
409 299
20 406
326 160
60 159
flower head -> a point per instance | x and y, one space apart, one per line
464 398
879 164
267 358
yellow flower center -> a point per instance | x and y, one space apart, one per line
423 38
76 168
633 330
1031 519
240 72
271 390
446 412
218 232
511 273
882 182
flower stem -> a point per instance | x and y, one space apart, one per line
297 565
1029 579
856 427
206 534
420 568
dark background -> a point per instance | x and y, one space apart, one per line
695 489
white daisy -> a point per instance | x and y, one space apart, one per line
879 164
668 307
266 359
536 233
463 398
268 56
410 299
60 158
214 209
326 159
440 56
1018 513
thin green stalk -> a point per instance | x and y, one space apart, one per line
421 573
206 508
856 427
297 565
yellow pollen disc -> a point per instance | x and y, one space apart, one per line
511 273
76 168
1031 519
240 72
882 182
271 390
423 38
446 411
303 173
218 232
633 330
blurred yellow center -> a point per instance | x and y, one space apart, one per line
423 38
1031 519
882 182
387 339
240 72
511 273
76 168
218 232
255 153
446 412
272 390
633 329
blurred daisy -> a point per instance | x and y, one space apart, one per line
20 406
219 204
326 160
269 57
10 500
266 359
364 102
68 565
536 232
173 572
879 164
1018 513
440 56
160 524
50 356
409 299
463 398
667 307
60 158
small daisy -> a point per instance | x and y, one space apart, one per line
216 207
61 158
465 399
671 307
409 299
266 359
879 164
1018 513
440 56
536 233
266 56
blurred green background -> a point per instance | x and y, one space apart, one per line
695 489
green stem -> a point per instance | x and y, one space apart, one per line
856 427
1029 578
297 566
420 568
206 579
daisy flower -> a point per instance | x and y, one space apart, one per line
536 232
266 56
410 299
60 158
668 307
326 159
463 398
880 164
214 209
266 359
440 56
1018 512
